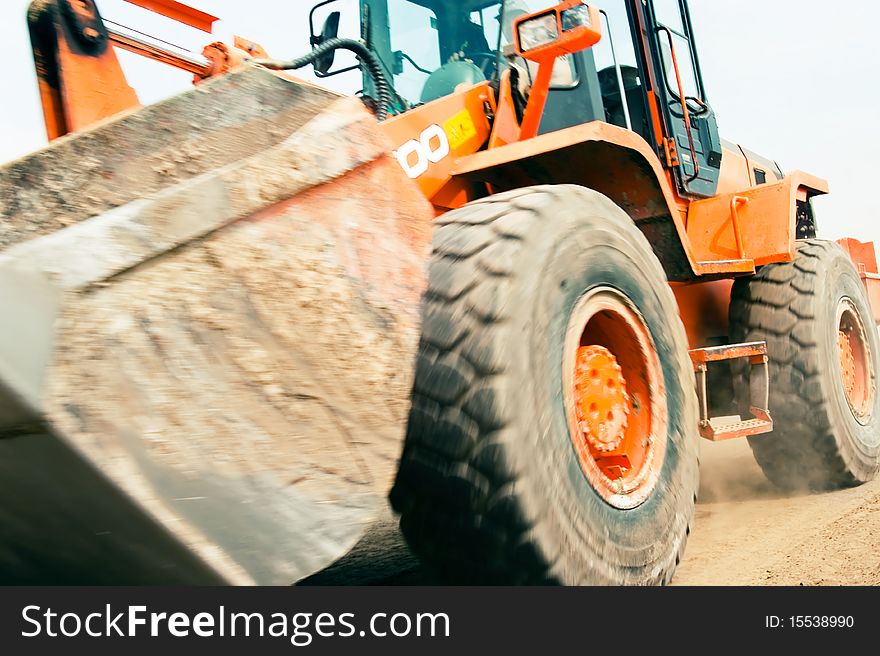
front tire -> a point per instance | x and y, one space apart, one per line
823 351
492 485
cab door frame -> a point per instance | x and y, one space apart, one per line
689 143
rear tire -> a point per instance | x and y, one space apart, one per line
823 437
491 488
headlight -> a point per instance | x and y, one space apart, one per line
576 17
538 32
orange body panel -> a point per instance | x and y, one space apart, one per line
110 96
736 175
643 189
506 128
180 12
703 309
758 224
428 140
864 256
80 84
534 111
643 202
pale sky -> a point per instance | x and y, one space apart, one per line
794 80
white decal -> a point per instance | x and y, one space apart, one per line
415 156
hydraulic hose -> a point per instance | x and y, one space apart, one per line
367 57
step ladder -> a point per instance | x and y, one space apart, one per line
717 429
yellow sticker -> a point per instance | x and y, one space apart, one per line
460 129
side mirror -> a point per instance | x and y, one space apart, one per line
398 62
330 31
567 28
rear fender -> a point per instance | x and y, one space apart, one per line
864 256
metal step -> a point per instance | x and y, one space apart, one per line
717 429
744 267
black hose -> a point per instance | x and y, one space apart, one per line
413 62
367 57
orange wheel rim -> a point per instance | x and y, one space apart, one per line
615 398
856 363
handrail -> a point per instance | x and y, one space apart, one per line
682 97
623 99
735 202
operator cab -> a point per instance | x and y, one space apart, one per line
584 87
430 48
438 45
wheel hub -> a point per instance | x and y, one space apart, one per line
856 361
601 401
614 397
847 363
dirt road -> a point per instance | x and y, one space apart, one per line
746 533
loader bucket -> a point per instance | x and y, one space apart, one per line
209 310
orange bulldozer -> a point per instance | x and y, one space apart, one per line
513 282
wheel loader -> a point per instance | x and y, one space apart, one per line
514 276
